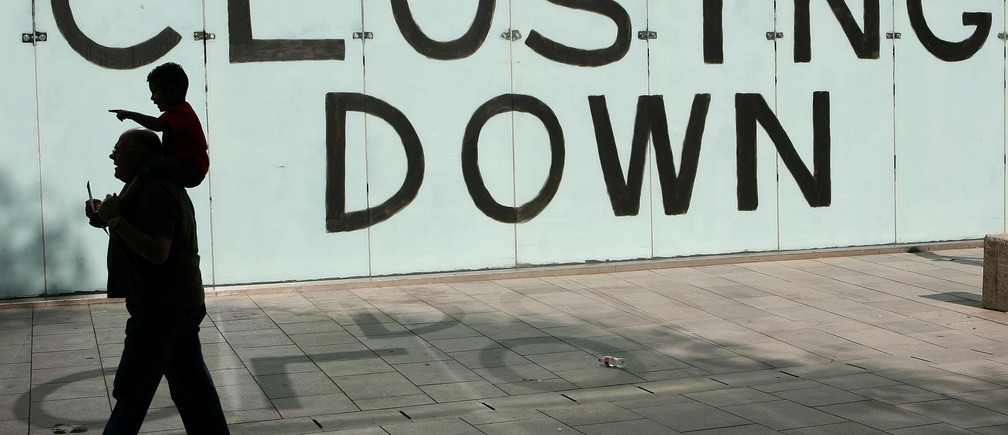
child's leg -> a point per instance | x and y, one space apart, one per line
159 166
173 168
188 174
130 189
151 168
155 167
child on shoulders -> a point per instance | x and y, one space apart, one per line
184 158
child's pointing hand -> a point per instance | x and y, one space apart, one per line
121 114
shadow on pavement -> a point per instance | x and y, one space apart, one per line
961 260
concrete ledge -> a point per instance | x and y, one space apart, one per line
995 272
519 272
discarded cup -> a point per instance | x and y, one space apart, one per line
611 361
69 428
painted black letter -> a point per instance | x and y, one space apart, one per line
865 44
244 49
651 121
752 108
337 106
578 57
950 51
470 157
713 31
136 56
457 49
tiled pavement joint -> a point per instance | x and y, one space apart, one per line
882 343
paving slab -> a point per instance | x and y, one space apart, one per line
887 343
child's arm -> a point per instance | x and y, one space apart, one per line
146 121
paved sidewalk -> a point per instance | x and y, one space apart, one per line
893 343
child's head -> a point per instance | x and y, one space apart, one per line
168 85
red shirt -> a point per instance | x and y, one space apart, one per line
184 136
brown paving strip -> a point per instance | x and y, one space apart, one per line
504 274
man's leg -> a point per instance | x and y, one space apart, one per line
140 368
191 386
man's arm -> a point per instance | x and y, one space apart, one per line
146 121
151 248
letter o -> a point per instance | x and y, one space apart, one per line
460 48
470 157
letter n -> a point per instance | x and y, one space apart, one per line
865 44
337 106
651 121
752 108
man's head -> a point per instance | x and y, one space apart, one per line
168 85
134 146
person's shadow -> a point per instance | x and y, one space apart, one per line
961 298
24 270
938 257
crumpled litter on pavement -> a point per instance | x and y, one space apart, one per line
69 428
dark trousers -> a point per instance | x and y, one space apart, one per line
173 168
165 343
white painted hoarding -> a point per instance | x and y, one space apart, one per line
22 271
948 117
355 138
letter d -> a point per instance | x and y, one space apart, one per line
337 106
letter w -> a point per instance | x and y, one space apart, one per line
651 121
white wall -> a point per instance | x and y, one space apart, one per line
916 131
21 247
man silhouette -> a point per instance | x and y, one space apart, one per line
153 262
